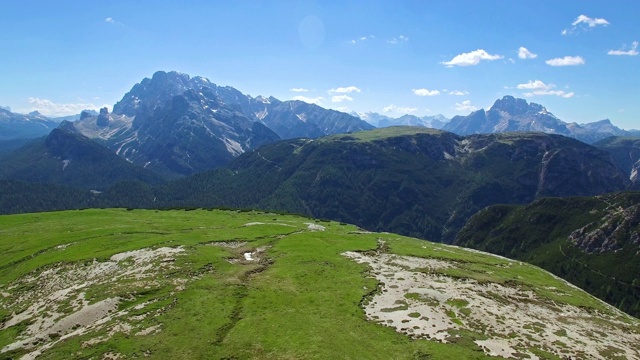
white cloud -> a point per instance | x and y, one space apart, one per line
399 109
631 52
566 61
398 40
317 100
425 92
524 53
550 92
49 108
589 21
465 106
458 92
341 98
344 90
535 85
298 90
583 22
539 88
361 39
471 58
110 20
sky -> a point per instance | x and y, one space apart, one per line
579 59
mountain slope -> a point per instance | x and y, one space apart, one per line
68 158
591 242
415 181
178 284
625 151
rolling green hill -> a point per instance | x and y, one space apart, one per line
418 182
71 159
593 242
237 285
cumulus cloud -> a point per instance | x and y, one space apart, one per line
316 100
458 92
566 61
524 53
110 20
471 58
399 109
631 52
583 22
298 90
50 108
341 98
465 106
344 90
425 92
398 40
535 85
540 88
584 19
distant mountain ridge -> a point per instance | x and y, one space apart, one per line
510 114
378 120
20 126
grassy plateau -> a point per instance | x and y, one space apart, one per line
213 284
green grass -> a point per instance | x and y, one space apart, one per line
384 133
303 301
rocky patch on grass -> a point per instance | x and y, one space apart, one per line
73 299
419 299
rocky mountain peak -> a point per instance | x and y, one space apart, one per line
85 114
514 106
602 122
161 87
103 117
36 114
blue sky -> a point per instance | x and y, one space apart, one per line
579 58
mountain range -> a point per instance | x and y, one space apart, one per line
180 141
178 125
378 120
510 114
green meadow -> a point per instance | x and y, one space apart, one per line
296 297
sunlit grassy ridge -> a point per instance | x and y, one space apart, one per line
299 297
384 133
